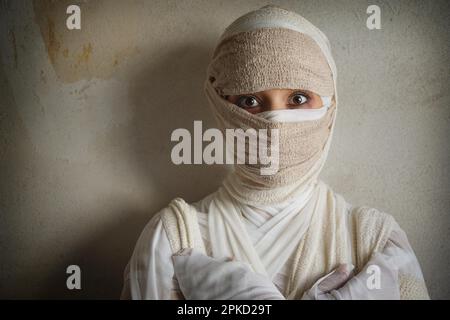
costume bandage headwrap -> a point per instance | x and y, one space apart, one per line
267 49
311 225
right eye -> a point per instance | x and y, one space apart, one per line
247 102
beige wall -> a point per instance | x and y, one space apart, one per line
86 118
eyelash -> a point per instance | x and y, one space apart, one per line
243 98
301 94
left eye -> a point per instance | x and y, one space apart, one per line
299 99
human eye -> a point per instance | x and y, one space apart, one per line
247 102
298 98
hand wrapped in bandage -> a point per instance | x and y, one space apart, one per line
377 281
201 277
204 278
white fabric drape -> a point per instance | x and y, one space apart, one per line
150 273
280 232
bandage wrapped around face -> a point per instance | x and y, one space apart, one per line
269 58
272 48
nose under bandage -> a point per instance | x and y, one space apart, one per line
295 115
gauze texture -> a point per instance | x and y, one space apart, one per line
272 48
300 146
267 58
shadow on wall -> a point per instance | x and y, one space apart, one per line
164 95
15 150
167 95
101 257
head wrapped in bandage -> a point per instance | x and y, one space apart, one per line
272 48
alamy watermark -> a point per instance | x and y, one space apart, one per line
73 281
250 146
